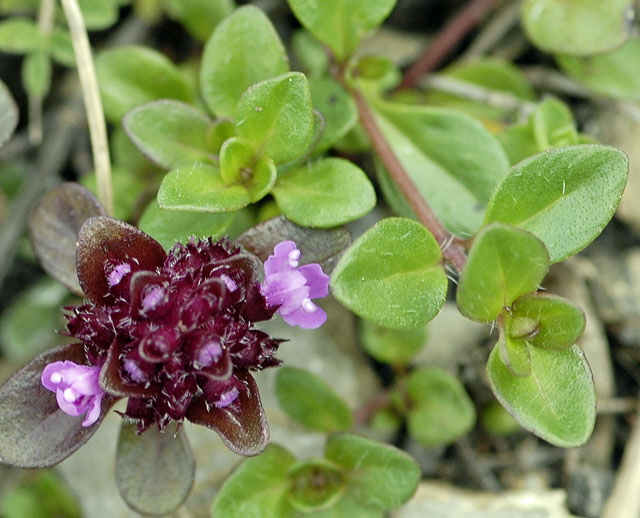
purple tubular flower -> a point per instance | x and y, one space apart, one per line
76 388
174 332
291 287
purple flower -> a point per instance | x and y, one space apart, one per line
290 287
173 332
76 388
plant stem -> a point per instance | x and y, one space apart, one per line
463 21
364 414
92 102
451 250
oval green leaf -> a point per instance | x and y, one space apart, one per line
276 116
243 49
393 346
585 27
504 263
557 402
20 35
337 109
129 76
452 159
559 322
200 188
341 24
392 275
326 193
612 74
380 476
154 471
316 484
199 17
565 196
441 411
170 133
170 226
258 487
308 399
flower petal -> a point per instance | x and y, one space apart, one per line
317 280
34 431
306 319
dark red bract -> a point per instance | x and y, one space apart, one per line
173 332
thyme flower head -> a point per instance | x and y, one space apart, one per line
178 333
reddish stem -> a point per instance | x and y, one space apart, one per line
446 40
364 414
451 250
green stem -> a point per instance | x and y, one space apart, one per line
92 102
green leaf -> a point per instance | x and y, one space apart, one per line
337 109
132 75
200 188
396 347
326 193
243 49
154 471
308 399
257 488
220 131
553 125
380 476
487 72
41 495
36 73
550 125
498 421
559 322
128 189
170 133
98 14
310 54
341 24
557 402
585 27
62 47
169 226
453 160
23 336
315 485
612 74
392 275
441 411
276 116
20 36
503 264
8 114
514 353
564 196
240 166
199 17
